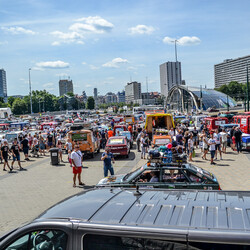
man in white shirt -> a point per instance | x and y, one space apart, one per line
223 135
217 138
212 143
76 157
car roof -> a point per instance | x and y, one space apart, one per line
179 209
115 137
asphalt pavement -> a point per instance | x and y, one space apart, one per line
26 194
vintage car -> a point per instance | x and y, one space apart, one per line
128 135
186 176
161 140
119 145
88 141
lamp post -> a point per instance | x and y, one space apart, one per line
30 93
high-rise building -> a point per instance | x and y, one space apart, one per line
121 96
132 92
170 75
95 93
65 86
3 84
231 70
110 98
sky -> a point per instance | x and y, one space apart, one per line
105 44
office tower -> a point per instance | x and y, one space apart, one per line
132 92
231 70
3 85
170 75
65 86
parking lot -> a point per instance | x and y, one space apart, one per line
26 194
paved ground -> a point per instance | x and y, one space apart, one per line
26 194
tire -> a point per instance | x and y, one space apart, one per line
92 155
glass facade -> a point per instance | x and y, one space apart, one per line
212 98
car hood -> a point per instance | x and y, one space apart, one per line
111 179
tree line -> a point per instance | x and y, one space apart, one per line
43 101
237 91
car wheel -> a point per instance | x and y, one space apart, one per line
92 155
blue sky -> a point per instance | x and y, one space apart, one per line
107 43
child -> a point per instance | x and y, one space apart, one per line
69 158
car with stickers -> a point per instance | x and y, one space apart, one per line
167 176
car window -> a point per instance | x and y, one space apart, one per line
197 178
116 141
40 239
102 242
173 176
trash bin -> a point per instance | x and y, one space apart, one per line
54 156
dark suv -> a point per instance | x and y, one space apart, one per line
139 219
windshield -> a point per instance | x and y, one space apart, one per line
162 141
116 141
132 175
10 137
124 133
79 137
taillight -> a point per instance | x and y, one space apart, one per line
219 188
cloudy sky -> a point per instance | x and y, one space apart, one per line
107 43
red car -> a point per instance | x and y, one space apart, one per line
119 145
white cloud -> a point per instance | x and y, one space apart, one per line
84 63
18 30
142 29
52 65
88 85
185 40
93 67
49 84
3 43
70 37
95 24
115 63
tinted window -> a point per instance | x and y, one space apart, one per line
40 239
101 242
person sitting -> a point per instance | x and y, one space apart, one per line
154 176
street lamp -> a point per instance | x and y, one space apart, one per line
30 93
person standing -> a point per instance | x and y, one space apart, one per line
76 158
68 146
50 140
195 137
59 146
223 135
107 158
143 147
190 147
212 143
15 149
4 154
217 138
25 147
204 140
138 141
238 139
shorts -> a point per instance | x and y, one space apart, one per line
42 146
25 151
190 150
50 144
5 158
16 158
217 147
59 150
212 153
195 138
77 170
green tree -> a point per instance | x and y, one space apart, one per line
19 106
11 99
71 94
90 103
